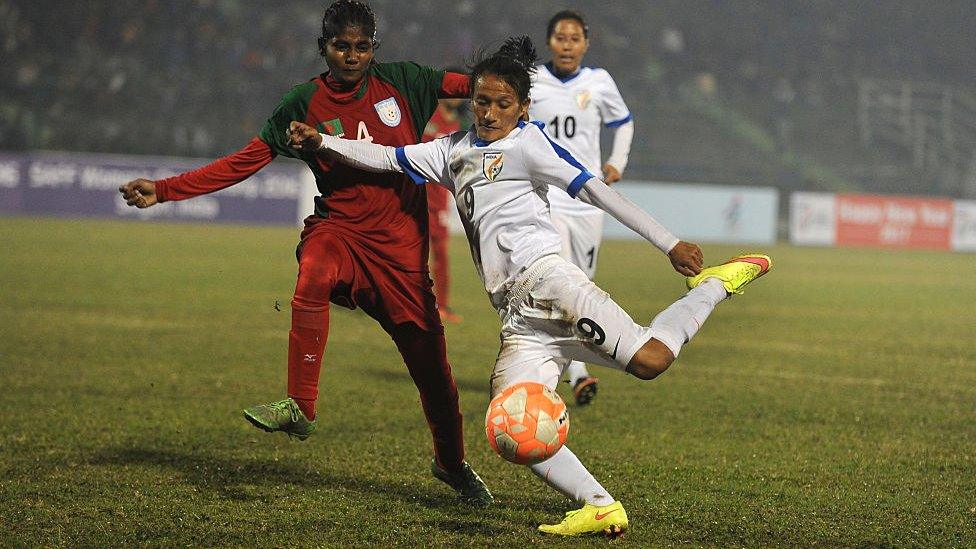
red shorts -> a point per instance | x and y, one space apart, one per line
338 267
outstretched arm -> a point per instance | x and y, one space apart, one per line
686 258
358 154
421 162
219 174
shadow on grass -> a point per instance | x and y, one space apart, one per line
260 479
402 375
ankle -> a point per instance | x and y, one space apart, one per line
307 407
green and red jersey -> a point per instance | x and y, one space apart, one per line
385 213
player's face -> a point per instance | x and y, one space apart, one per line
496 107
568 45
348 55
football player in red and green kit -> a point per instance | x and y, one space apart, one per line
366 244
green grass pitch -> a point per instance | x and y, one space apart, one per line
833 405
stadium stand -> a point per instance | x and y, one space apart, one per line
757 92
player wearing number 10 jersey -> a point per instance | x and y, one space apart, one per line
550 311
575 102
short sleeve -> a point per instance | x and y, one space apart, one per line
613 110
546 161
427 161
293 106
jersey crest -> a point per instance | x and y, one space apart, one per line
583 99
389 112
492 164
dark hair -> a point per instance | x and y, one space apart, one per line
347 13
513 63
562 16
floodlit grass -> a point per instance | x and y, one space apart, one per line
833 404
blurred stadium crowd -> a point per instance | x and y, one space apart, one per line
198 77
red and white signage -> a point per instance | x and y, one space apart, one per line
867 220
886 221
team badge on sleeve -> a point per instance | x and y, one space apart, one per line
583 99
493 164
389 111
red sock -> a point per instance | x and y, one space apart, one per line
306 343
425 354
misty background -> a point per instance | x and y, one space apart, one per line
875 96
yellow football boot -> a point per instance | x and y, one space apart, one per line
609 520
734 273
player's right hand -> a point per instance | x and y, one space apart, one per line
140 193
303 137
686 258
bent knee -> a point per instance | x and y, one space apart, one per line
648 370
651 360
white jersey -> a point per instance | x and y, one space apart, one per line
501 193
573 109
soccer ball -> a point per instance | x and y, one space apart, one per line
527 423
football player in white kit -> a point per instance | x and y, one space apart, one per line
574 102
551 312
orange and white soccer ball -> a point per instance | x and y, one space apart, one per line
527 423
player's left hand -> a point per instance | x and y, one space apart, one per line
686 258
610 174
303 137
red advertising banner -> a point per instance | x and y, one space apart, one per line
870 220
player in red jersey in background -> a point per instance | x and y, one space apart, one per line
445 121
366 244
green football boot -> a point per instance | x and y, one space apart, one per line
469 486
284 415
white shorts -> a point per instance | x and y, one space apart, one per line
561 316
581 235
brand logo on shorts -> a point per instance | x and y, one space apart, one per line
389 111
583 99
493 164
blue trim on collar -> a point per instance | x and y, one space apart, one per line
577 183
564 79
408 168
621 122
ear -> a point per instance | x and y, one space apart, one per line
525 109
322 43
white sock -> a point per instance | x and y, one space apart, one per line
576 370
677 324
565 473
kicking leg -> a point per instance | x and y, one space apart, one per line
676 325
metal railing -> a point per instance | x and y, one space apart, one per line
933 124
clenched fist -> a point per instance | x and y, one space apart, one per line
303 137
686 258
140 193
